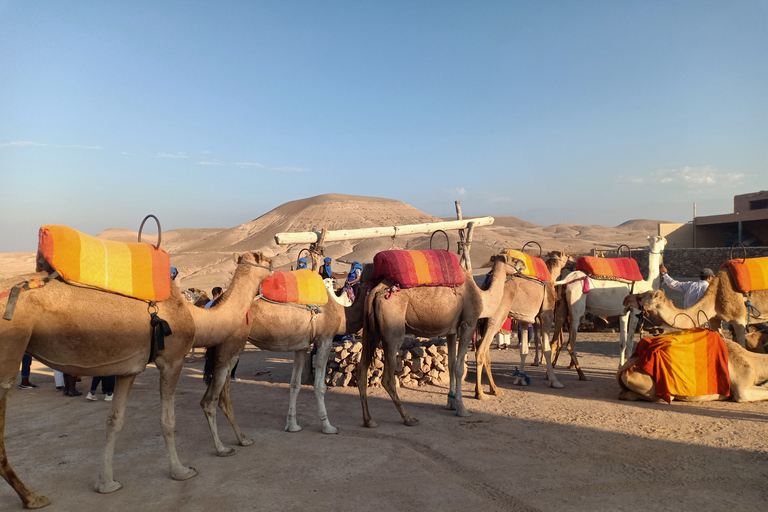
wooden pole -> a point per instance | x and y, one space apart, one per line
311 237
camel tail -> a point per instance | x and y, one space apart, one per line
370 336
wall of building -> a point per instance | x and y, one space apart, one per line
677 235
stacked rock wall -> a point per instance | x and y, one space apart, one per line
689 262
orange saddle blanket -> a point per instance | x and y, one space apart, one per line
302 286
136 270
750 274
693 362
534 266
621 268
418 268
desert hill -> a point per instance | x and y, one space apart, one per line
204 257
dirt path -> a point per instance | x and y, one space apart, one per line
535 448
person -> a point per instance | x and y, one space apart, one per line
325 269
26 369
216 293
520 333
353 280
107 387
693 290
70 385
175 279
504 335
301 264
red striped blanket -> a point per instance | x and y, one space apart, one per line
418 268
750 274
133 269
622 268
693 362
302 286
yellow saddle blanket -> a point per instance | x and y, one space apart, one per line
750 274
534 266
302 286
136 270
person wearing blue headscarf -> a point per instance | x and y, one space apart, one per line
302 263
353 280
325 269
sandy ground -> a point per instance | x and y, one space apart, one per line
535 448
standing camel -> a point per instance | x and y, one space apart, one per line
721 302
84 331
524 300
606 298
285 327
426 311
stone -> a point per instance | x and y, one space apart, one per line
418 351
356 347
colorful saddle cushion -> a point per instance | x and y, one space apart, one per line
621 268
534 266
303 286
750 274
693 362
418 268
136 270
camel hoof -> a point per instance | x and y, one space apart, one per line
293 428
37 502
497 392
370 424
330 430
556 384
224 453
481 396
629 396
463 413
109 487
535 363
411 422
584 377
519 381
186 474
245 441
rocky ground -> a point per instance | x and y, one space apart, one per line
535 448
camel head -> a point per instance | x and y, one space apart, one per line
656 244
253 258
646 301
557 261
512 265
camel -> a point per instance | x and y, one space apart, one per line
606 298
526 300
746 370
721 302
427 311
285 327
68 327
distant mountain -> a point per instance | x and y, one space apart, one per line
641 224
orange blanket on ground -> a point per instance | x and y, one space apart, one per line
133 269
622 268
302 286
418 268
686 363
750 274
534 266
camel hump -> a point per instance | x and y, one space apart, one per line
434 267
620 268
750 274
303 286
136 270
689 363
534 266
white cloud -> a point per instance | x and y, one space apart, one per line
209 163
248 164
687 177
461 191
21 143
178 154
291 169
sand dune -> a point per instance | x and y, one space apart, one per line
205 256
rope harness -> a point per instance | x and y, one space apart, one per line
13 293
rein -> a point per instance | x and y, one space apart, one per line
271 269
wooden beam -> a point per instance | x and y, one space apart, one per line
311 237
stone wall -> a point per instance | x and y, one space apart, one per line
688 262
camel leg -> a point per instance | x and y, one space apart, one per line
225 404
571 347
625 336
321 362
27 495
465 331
169 378
212 397
740 331
483 362
452 362
536 339
635 384
106 482
299 359
362 379
388 381
546 322
520 381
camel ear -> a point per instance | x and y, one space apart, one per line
237 258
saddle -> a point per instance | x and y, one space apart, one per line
137 270
410 269
611 268
301 286
750 274
535 267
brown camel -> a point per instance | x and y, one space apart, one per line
427 311
524 300
83 331
721 302
746 369
287 327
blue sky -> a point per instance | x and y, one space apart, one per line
210 114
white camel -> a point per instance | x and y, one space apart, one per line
606 298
